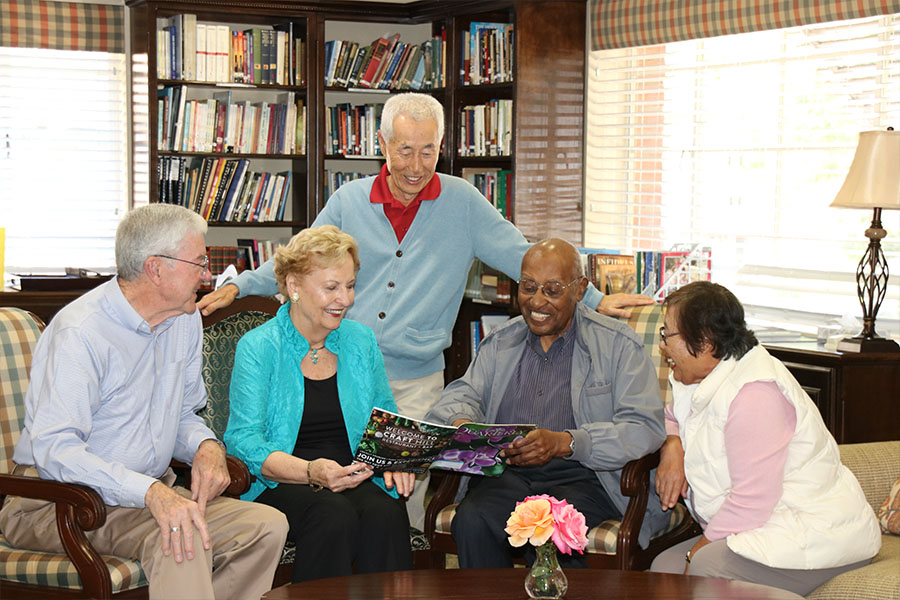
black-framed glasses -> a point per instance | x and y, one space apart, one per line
203 264
551 289
663 335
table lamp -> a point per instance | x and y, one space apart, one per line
873 182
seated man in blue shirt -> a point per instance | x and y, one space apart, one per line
587 383
115 386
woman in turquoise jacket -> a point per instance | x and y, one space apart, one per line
302 389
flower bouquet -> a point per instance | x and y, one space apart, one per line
549 525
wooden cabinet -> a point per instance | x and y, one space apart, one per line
857 394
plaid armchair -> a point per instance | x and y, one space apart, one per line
81 571
614 543
25 573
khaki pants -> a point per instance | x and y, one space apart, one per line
247 540
414 398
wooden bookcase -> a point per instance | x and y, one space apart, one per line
549 47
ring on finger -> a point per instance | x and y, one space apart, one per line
176 529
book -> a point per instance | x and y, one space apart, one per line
393 442
379 48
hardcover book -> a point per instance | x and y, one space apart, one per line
393 442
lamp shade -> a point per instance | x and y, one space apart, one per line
874 177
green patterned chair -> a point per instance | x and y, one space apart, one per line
221 332
81 571
613 544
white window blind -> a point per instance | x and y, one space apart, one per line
741 142
64 158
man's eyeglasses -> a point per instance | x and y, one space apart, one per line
663 335
551 289
203 264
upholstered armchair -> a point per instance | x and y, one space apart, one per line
613 544
80 572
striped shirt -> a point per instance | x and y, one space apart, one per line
540 390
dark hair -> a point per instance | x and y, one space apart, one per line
709 313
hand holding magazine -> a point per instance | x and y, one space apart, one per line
392 442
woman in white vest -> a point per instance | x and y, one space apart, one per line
748 451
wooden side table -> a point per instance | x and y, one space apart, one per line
857 394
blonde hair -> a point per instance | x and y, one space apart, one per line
313 248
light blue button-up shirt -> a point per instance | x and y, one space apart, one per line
110 401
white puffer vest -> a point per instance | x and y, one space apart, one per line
822 519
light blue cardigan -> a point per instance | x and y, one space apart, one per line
267 390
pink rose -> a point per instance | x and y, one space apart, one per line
570 532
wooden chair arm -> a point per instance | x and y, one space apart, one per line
78 508
444 495
240 475
635 484
636 474
88 507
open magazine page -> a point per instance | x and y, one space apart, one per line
393 442
475 448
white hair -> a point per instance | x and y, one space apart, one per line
150 230
417 107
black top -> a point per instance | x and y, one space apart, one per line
323 433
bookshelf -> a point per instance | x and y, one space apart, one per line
543 161
550 175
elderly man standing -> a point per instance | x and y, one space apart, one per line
115 386
418 233
586 382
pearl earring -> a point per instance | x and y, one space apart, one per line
295 297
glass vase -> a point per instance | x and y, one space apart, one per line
546 579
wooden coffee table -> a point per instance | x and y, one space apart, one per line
506 584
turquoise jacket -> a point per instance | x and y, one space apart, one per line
267 390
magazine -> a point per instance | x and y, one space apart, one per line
393 442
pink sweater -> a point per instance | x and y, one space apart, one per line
761 422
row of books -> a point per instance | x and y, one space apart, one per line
335 179
224 189
648 272
351 130
480 329
494 184
218 124
247 254
661 273
487 285
192 51
486 129
487 53
386 63
610 272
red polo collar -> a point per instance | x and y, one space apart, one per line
401 217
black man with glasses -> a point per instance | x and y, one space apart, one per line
584 379
115 386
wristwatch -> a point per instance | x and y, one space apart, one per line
571 444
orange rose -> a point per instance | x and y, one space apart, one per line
531 521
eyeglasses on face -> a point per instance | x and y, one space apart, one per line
663 335
203 264
551 289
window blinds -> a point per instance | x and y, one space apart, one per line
63 162
741 142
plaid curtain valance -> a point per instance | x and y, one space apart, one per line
627 23
62 25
